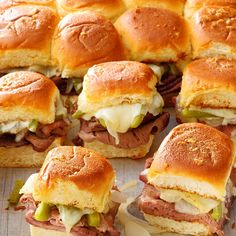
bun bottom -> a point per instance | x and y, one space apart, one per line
36 231
180 227
25 156
110 151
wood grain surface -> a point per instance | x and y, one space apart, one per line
12 222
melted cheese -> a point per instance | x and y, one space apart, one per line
118 119
70 216
204 205
157 70
13 127
223 116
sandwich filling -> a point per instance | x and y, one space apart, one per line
186 207
70 219
170 78
125 125
222 119
19 133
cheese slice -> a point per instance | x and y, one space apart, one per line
204 205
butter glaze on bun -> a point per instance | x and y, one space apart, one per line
154 34
83 40
173 5
27 96
75 176
214 32
194 158
108 8
26 33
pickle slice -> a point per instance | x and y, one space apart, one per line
195 114
15 195
217 213
33 126
77 114
78 86
137 121
43 212
93 219
102 122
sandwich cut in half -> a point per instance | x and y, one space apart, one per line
81 40
189 185
71 195
32 119
208 94
160 38
120 109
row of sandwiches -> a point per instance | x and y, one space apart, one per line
35 37
190 186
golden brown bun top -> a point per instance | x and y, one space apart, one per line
86 3
86 38
117 83
27 95
217 24
154 29
85 168
200 3
195 151
173 5
4 4
26 27
207 74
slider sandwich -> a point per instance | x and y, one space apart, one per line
32 119
213 31
176 6
73 194
82 40
159 38
111 9
188 188
208 94
120 109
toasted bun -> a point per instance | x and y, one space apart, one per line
27 96
25 156
214 32
117 83
191 158
26 33
83 40
209 83
5 4
75 176
176 6
108 8
154 34
180 227
37 231
110 151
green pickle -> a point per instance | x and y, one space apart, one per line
15 195
77 114
43 212
33 126
217 213
195 114
78 86
102 122
137 121
93 219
